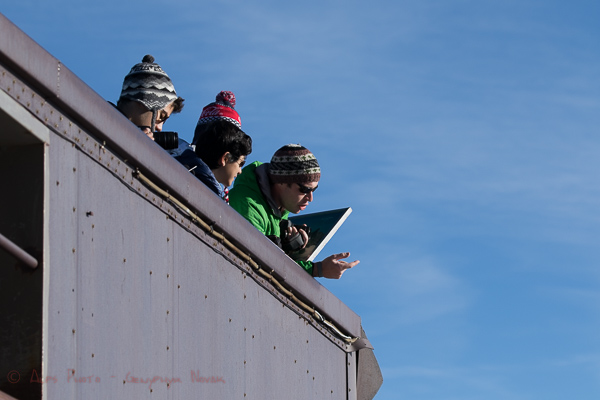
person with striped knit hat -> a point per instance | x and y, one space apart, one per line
148 97
266 193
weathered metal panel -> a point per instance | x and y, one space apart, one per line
61 270
142 290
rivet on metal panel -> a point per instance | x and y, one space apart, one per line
124 260
178 286
274 347
92 355
252 336
74 209
57 183
167 348
295 361
229 319
168 276
74 169
168 313
168 240
73 250
73 331
244 362
205 296
150 272
307 371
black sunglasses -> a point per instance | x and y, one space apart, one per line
306 189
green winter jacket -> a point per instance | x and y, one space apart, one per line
251 197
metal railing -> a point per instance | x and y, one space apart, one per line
18 252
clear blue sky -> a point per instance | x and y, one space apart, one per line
464 135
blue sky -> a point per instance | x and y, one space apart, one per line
464 135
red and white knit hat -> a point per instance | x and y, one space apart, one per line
222 109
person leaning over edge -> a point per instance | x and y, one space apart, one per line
265 194
220 154
148 97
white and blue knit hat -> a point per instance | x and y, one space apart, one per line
148 84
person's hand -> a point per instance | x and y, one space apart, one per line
334 267
148 132
291 232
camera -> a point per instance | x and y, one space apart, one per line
167 140
292 243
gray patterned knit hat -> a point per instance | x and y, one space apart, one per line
148 84
294 164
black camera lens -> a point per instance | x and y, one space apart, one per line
166 140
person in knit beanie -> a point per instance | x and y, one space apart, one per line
266 193
148 97
222 109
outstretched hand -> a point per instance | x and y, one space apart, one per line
334 267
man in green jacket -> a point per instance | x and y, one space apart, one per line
266 193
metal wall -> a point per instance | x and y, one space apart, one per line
135 296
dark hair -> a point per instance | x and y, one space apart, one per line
178 105
218 138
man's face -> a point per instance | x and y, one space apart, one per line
141 116
294 197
